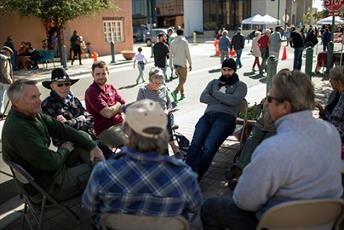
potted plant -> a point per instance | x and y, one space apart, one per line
128 54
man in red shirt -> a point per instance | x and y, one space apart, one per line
105 104
263 43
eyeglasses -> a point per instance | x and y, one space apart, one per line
227 69
63 84
270 98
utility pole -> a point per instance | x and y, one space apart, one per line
278 12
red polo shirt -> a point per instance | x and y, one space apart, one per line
96 99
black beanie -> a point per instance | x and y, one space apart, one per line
230 63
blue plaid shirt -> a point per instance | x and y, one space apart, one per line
143 184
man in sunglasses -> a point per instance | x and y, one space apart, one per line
223 97
65 107
300 162
26 140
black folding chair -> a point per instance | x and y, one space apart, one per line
36 206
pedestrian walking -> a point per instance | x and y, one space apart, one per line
9 43
180 54
263 43
255 50
275 41
224 45
6 74
326 38
141 61
296 41
238 43
75 43
161 53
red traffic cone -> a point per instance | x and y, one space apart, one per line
284 56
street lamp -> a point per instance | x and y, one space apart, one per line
278 11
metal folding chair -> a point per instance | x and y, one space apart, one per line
36 206
133 222
304 214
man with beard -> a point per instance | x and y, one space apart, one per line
223 97
161 54
105 104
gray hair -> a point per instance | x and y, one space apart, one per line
295 87
337 74
15 91
146 144
155 73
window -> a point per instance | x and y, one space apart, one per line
113 29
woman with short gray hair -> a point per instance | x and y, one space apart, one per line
157 91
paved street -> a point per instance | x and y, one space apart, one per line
122 75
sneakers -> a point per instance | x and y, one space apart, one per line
182 97
174 96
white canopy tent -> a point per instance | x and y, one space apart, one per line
255 20
269 20
260 20
328 20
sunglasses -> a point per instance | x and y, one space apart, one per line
227 69
64 84
270 98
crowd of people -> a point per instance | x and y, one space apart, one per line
116 154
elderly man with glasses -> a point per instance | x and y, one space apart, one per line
300 162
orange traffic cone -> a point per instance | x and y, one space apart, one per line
284 56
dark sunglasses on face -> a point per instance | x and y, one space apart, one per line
270 98
63 84
227 69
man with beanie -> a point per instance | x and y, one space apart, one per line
6 74
223 97
180 53
143 180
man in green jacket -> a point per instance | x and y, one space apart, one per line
26 138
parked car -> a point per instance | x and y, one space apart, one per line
150 36
138 33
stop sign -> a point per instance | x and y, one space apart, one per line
333 5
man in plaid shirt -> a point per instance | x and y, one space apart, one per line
142 180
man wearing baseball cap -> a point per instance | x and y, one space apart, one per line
6 74
143 180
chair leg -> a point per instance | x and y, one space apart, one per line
26 218
41 214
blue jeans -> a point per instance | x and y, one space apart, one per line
211 130
219 213
238 58
224 53
298 58
141 68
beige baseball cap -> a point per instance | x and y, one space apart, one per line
147 118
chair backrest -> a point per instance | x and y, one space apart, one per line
303 214
20 173
243 106
121 221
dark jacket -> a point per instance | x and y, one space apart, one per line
238 41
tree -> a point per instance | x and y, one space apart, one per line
57 12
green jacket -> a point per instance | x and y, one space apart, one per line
26 141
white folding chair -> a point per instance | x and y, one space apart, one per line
304 214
